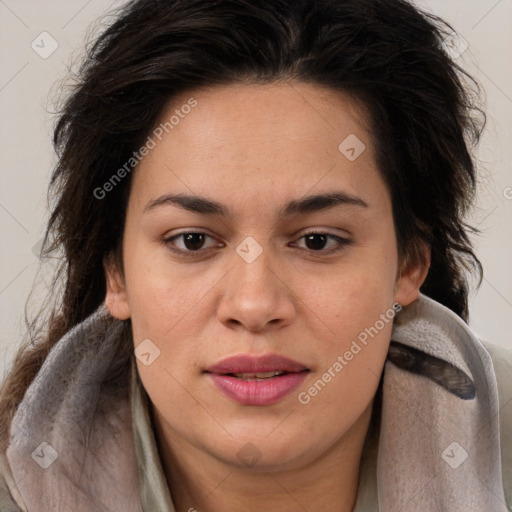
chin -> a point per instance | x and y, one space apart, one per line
264 453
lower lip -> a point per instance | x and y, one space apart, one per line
258 392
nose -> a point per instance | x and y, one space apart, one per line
256 295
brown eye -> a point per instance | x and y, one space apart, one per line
191 242
316 242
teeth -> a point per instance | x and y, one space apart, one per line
257 376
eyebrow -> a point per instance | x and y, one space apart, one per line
307 204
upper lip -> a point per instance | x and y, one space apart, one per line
256 364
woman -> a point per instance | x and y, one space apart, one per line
266 273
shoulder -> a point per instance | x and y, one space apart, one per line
7 503
502 362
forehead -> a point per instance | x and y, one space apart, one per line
272 114
262 142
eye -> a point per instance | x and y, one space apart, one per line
192 241
315 241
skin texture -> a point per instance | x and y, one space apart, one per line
254 147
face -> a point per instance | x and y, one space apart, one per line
203 282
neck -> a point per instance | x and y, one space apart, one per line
200 481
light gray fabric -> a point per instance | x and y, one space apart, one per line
71 406
421 422
502 361
155 492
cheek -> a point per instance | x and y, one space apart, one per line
354 297
354 349
158 294
163 311
355 309
359 328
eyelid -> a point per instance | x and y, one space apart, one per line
167 242
342 241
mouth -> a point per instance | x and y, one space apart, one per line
250 377
262 380
261 366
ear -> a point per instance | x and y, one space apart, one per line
116 298
412 276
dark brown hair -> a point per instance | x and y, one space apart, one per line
386 53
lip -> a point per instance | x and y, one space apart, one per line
254 364
261 392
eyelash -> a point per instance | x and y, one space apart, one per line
167 242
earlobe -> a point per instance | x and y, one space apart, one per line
116 298
411 279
